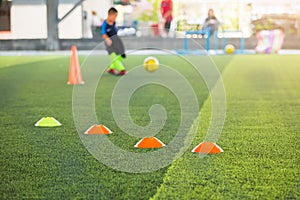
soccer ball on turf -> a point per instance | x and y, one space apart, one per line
151 64
229 48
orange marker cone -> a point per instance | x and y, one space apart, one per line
98 129
207 148
74 73
151 142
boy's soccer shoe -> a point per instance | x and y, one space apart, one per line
122 72
111 71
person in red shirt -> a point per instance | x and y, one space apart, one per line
166 8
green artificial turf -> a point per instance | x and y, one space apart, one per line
53 163
260 138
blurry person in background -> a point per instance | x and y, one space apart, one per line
211 22
166 9
95 23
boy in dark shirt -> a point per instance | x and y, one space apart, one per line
113 43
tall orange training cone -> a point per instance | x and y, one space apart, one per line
207 148
74 73
98 129
149 143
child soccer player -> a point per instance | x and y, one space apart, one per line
113 43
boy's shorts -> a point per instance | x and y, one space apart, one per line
117 46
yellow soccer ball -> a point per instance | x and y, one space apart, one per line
229 49
151 64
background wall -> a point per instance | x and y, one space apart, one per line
28 20
72 25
